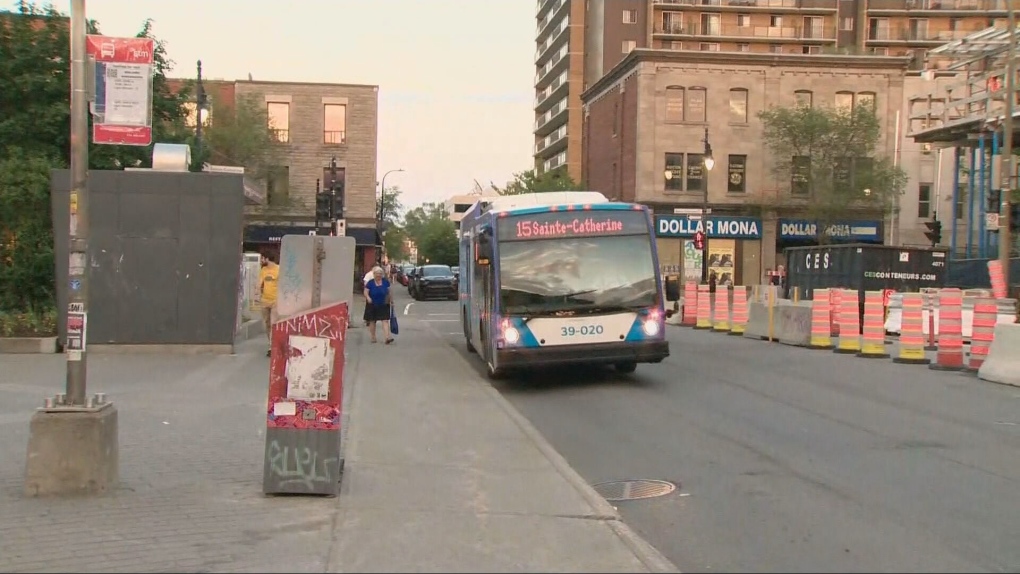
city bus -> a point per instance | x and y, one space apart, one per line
560 278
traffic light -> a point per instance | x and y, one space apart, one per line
934 233
699 240
338 199
323 202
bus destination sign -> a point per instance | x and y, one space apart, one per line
563 224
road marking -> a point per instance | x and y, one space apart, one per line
444 314
407 308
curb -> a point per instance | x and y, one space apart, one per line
654 560
250 329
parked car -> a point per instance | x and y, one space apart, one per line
400 274
432 281
456 272
411 275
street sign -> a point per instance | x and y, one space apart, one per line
122 109
992 221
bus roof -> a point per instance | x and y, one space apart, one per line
547 199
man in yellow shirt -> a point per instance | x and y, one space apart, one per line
268 277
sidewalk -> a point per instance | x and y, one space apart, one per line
441 475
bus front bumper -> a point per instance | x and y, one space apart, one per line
595 353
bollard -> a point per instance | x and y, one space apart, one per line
930 300
950 340
721 320
741 312
849 323
986 315
835 303
704 320
770 294
912 331
821 317
873 337
795 296
690 317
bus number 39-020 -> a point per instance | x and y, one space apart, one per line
583 330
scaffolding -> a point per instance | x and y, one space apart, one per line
966 109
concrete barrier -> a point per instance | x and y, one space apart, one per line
758 320
1003 362
793 324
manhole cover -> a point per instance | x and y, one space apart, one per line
633 489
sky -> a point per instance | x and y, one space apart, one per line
455 77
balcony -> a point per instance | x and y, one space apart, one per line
545 123
937 6
823 5
555 64
280 136
907 35
551 39
799 33
543 7
332 137
551 93
555 162
549 18
552 143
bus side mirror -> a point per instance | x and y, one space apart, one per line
483 251
672 288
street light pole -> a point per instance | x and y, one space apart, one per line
709 163
1005 238
382 196
199 106
78 268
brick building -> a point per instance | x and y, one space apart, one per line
312 123
647 117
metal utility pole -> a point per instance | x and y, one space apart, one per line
200 103
382 197
333 215
1005 237
78 267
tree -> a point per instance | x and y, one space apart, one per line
830 156
238 133
26 232
531 182
416 220
391 206
438 242
35 90
394 243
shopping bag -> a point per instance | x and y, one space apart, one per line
394 326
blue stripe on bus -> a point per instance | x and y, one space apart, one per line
572 207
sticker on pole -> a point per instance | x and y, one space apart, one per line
122 109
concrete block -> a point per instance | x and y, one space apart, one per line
72 452
793 324
28 345
1003 362
758 320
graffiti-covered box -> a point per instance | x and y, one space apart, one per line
303 416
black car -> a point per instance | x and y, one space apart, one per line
434 281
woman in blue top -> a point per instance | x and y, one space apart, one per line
377 304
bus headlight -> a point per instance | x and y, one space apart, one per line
651 327
511 335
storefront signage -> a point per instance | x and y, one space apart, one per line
844 230
717 226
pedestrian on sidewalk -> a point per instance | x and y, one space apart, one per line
364 284
378 301
268 276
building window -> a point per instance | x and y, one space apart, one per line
709 47
878 29
674 104
738 106
743 47
867 99
675 168
775 48
800 175
737 176
695 168
279 120
813 28
803 98
334 122
924 201
629 46
846 24
710 25
961 195
278 185
616 116
630 16
694 111
844 100
811 50
775 21
743 20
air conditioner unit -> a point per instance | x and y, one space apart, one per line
926 148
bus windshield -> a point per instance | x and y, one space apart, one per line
577 274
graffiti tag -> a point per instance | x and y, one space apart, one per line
300 466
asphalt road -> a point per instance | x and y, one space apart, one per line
789 460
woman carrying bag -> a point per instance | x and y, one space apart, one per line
379 304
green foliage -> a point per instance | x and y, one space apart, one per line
29 323
394 244
416 219
391 206
839 162
238 134
438 242
26 232
531 182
